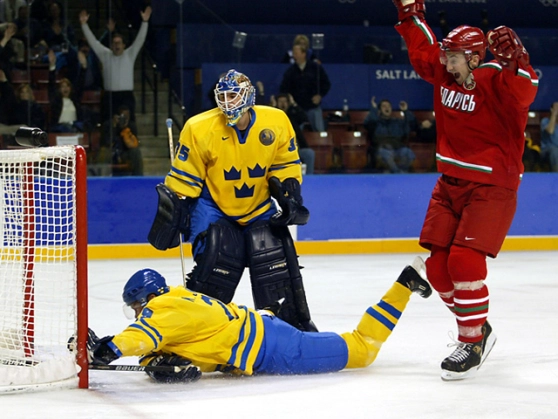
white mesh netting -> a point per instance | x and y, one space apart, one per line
38 299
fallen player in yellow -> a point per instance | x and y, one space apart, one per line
177 327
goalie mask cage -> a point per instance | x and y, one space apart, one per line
43 268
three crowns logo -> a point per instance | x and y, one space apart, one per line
257 171
232 174
244 191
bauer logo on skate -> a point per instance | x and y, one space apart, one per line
457 100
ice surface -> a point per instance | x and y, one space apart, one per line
518 380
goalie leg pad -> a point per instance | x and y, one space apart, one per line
219 268
275 274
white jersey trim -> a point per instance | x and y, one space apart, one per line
455 162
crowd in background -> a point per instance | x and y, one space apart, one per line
49 62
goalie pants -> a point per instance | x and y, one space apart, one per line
206 212
286 350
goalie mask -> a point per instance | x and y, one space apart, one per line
141 285
464 39
234 95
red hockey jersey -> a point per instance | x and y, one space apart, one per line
480 132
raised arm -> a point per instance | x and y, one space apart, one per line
518 76
95 45
142 34
419 37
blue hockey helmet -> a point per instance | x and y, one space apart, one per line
234 95
143 283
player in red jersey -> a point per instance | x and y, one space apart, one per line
481 112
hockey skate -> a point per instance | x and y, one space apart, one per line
412 279
467 358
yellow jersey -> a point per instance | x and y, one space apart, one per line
202 329
235 165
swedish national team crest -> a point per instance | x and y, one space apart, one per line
267 137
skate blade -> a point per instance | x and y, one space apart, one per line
456 376
491 341
419 266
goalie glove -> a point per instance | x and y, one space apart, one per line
507 48
99 350
171 220
186 375
409 8
289 199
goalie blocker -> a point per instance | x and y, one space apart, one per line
265 246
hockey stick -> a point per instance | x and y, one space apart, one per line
139 368
171 149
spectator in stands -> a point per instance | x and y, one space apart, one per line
7 99
25 110
426 131
298 118
308 83
549 138
39 9
531 154
84 63
9 9
121 145
106 37
57 32
260 94
118 65
389 135
299 40
7 51
29 30
66 114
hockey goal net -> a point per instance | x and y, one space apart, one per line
43 268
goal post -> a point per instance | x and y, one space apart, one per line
43 268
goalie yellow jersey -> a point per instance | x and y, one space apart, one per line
234 166
202 329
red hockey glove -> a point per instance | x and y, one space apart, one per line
408 8
507 48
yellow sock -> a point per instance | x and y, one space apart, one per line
376 325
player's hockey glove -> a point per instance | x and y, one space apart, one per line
507 48
289 199
171 220
98 350
408 8
188 374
